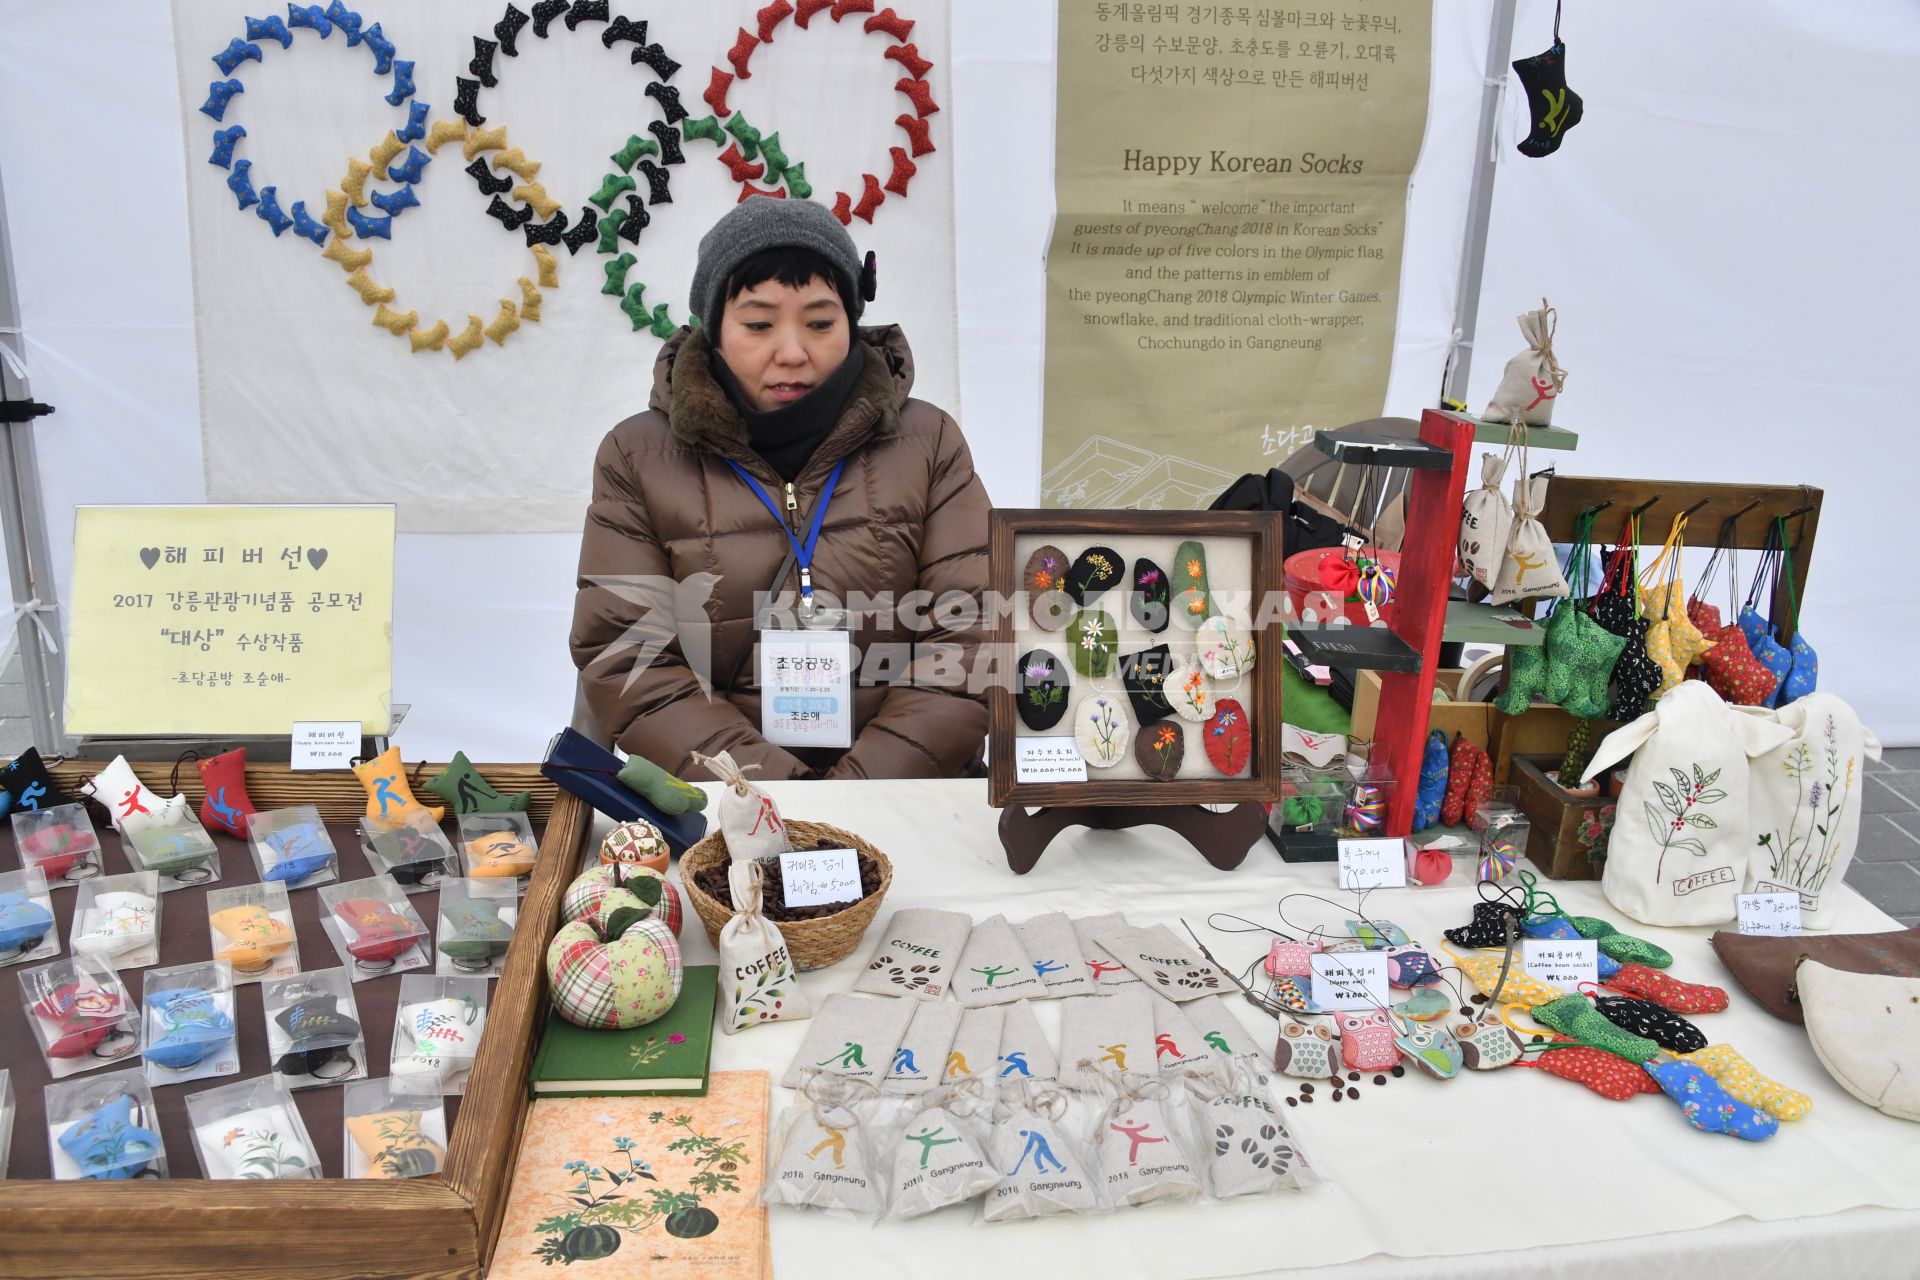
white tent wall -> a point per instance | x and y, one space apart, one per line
1727 236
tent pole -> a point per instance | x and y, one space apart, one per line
23 515
1473 250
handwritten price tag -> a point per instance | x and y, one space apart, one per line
324 744
1048 760
1561 963
1769 915
1349 979
821 876
1373 864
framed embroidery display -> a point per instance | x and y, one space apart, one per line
1138 650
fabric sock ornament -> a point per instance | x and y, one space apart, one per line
24 923
377 935
1527 665
227 805
1488 928
299 851
124 795
1646 1019
1433 781
179 850
1707 1106
669 794
1668 992
1554 107
394 1145
192 1028
1575 1016
254 936
1734 673
1558 928
111 1144
83 1014
473 935
389 799
500 855
465 791
1483 970
118 924
26 784
63 852
445 1034
412 853
318 1034
1737 1076
1606 1074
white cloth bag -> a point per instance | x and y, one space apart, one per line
1806 804
1531 383
1684 835
1527 568
757 981
1486 521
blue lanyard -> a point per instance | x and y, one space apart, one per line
802 551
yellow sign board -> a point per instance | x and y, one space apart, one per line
229 620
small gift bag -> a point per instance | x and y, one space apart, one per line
1681 845
1767 651
758 983
1533 379
749 821
1486 519
1807 795
1528 570
1673 641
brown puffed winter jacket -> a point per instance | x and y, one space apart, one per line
908 516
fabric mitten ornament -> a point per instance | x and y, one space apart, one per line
389 799
252 936
1668 992
670 795
757 979
1606 1074
472 934
126 798
26 784
111 1143
24 923
825 1161
318 1035
227 805
750 823
1707 1106
1433 781
192 1027
465 791
394 1145
1737 1076
1553 107
620 967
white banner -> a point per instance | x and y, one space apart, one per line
320 385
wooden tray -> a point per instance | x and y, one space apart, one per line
437 1226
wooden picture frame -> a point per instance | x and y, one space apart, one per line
438 1226
1262 529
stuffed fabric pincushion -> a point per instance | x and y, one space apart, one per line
620 967
584 895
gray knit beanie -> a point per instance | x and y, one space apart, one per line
762 223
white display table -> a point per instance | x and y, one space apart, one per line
1510 1173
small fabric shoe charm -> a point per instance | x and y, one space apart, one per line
318 1034
377 935
1707 1106
1737 1076
394 1145
227 805
389 799
1367 1040
1644 1018
410 854
1575 1016
500 854
254 937
1606 1074
111 1144
1668 992
61 850
23 924
124 795
446 1036
299 851
192 1028
26 784
1483 970
478 935
465 791
180 851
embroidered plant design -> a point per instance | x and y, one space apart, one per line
1042 692
1105 725
1595 826
1682 803
650 1052
1164 741
1797 858
264 1155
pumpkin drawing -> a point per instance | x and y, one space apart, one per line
584 1244
690 1224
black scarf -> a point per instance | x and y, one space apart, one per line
786 437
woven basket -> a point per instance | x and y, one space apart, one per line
813 944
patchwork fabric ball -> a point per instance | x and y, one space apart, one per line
617 969
637 843
590 888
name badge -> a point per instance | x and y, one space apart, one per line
806 688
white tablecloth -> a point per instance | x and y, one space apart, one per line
1493 1174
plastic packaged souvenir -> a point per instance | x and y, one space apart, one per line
58 840
412 850
292 847
477 918
80 1014
251 1131
395 1127
313 1029
26 917
373 927
437 1028
251 927
498 846
188 1033
117 919
104 1129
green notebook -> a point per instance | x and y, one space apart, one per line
574 1062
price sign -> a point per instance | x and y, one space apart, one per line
1349 979
821 876
1769 915
324 744
1373 864
1564 963
1048 760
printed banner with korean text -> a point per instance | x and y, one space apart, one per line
1224 274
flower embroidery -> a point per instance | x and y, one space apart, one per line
1195 569
1166 736
1042 580
1197 605
1149 576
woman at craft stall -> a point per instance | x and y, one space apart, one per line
714 486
